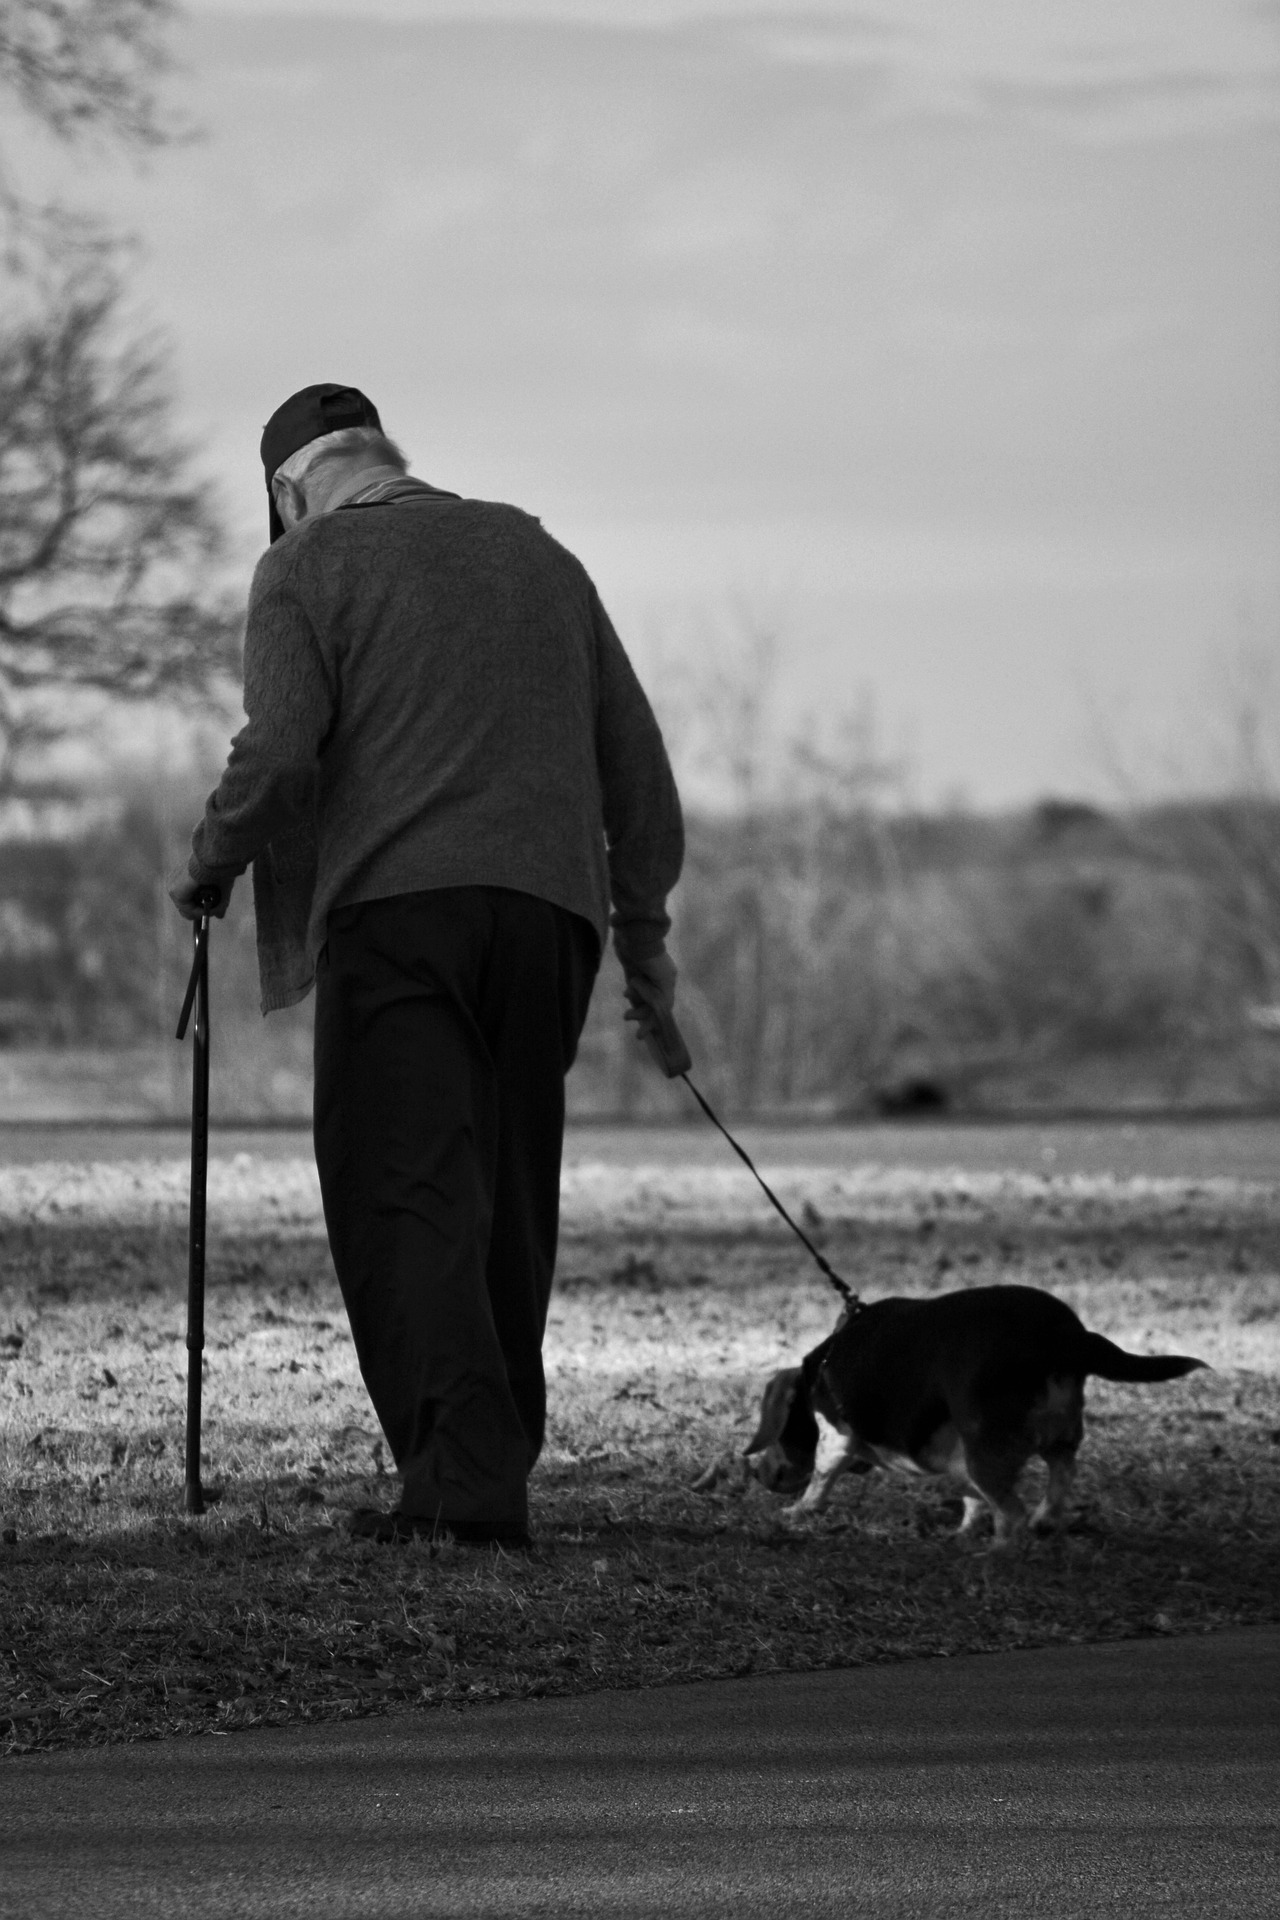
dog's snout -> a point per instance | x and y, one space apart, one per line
777 1472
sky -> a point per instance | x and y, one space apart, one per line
940 343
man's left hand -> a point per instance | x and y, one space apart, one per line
651 994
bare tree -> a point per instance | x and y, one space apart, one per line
84 71
105 538
82 67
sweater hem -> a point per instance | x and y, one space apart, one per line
464 875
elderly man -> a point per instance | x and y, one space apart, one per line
450 786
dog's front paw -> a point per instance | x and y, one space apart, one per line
1010 1543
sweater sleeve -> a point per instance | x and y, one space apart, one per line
267 789
644 831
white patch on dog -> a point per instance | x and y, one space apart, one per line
836 1447
892 1460
974 1508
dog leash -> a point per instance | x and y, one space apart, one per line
668 1048
842 1287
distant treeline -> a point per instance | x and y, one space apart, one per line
836 962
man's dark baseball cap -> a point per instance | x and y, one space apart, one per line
303 417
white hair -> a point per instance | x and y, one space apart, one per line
341 446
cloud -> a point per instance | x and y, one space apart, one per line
753 203
413 205
1151 107
1129 69
289 80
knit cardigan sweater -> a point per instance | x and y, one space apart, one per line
435 697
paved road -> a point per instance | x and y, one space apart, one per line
1136 1779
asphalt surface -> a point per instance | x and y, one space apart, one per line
1136 1778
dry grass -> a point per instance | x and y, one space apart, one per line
120 1618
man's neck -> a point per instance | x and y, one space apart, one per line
335 485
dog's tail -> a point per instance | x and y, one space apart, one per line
1109 1362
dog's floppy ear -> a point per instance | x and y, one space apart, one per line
779 1397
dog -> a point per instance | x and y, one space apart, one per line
968 1384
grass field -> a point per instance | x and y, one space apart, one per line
120 1618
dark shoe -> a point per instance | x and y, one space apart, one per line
490 1533
370 1523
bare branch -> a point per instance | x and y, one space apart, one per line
83 67
86 71
106 537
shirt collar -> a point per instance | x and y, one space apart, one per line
382 485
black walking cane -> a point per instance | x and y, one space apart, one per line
197 996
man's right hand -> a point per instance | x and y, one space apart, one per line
651 994
191 897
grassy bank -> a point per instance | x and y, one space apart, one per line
120 1618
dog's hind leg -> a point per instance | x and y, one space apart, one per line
1062 1467
993 1471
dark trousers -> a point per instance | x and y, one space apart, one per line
445 1024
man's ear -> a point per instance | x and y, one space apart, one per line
291 501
